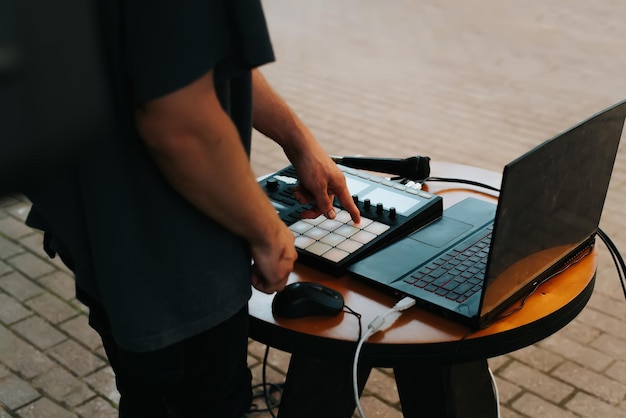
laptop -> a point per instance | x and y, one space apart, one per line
479 258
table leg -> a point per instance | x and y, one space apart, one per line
317 388
450 391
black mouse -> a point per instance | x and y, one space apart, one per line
302 299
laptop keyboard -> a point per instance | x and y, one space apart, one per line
457 274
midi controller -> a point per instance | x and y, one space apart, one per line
389 210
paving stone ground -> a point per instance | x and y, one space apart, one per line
475 82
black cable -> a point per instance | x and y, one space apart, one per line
358 316
463 181
266 391
269 401
620 266
271 388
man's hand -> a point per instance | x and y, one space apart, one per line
320 181
273 260
320 178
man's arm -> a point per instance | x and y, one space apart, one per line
318 174
198 149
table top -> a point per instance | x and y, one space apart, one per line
417 334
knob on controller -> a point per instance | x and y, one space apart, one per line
379 208
367 203
392 212
272 185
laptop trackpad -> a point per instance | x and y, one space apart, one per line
441 232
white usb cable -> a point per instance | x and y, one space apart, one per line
372 328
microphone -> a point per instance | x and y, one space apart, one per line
412 168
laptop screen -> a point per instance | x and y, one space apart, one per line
550 202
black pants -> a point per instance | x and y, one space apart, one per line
204 376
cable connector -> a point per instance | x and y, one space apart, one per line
404 304
375 325
378 322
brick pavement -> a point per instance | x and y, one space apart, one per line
474 82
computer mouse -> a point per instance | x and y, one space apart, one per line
303 299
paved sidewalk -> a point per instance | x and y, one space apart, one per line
476 82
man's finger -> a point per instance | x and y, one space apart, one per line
324 203
302 195
312 213
346 201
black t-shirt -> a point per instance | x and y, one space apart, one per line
162 270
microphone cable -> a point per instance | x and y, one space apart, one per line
463 181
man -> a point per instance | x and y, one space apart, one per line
160 223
